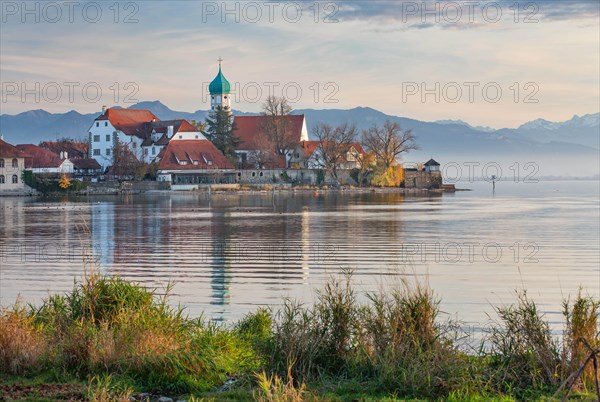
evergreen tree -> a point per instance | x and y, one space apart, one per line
220 131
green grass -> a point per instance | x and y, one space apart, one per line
109 338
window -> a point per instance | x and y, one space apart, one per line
153 151
145 151
1 163
96 152
15 179
261 174
107 151
1 179
96 138
196 137
15 163
97 124
134 145
108 137
105 124
253 174
181 137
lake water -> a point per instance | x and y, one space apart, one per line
230 253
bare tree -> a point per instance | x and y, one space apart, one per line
388 142
125 163
334 144
365 161
263 154
276 126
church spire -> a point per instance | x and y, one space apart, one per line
219 90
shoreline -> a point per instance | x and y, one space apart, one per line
246 190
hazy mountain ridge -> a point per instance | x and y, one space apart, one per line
572 146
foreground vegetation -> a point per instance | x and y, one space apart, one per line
109 339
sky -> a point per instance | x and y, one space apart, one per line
490 63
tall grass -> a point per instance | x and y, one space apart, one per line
108 325
22 345
526 357
394 341
120 337
582 327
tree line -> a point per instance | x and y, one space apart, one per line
384 144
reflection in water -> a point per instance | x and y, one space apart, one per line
230 253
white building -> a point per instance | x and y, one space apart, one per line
144 134
12 166
43 161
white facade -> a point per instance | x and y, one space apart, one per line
66 167
189 135
102 137
11 170
222 100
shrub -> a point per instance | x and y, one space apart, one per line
525 356
23 348
581 327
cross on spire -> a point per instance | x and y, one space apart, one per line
220 60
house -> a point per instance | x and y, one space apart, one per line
251 132
193 162
432 166
309 155
12 165
74 149
423 176
86 167
144 134
43 161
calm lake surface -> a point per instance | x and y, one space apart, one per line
231 253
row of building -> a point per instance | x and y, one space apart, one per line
185 157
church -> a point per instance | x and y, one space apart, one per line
186 158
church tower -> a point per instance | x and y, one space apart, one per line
220 90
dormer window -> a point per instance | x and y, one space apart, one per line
209 163
183 162
196 163
97 124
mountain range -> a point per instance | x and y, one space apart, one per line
569 148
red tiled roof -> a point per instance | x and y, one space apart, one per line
40 157
192 152
309 147
81 163
73 148
249 126
9 151
129 121
141 123
186 127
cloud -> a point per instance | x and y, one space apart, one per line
466 14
